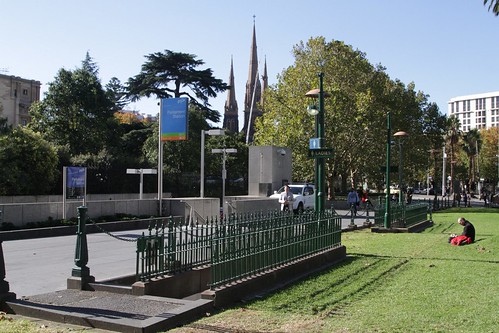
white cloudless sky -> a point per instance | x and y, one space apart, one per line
447 48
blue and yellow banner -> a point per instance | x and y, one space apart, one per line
174 119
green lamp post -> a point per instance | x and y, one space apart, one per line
319 152
387 221
401 135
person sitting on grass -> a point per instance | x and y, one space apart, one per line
468 235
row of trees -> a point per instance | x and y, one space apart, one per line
361 95
473 156
78 123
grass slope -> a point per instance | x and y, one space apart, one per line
389 283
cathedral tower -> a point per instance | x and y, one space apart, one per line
253 93
231 117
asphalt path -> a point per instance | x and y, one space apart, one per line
43 265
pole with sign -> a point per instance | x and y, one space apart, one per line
74 185
173 126
224 151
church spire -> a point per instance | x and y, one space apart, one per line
265 83
253 91
231 121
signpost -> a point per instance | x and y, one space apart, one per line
224 151
74 186
321 153
173 126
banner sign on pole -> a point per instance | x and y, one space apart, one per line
174 119
75 182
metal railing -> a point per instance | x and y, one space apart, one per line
237 246
173 246
402 215
242 248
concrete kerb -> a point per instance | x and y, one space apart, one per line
110 311
417 227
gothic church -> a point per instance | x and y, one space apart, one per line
253 100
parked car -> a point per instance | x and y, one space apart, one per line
303 196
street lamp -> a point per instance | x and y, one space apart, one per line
401 135
318 113
387 220
224 151
201 177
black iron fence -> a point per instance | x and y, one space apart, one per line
237 246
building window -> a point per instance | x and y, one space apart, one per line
25 92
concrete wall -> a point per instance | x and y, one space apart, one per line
199 209
22 210
248 204
269 168
20 214
90 197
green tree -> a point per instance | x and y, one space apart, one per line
28 163
453 136
471 145
493 5
174 74
489 154
355 113
75 111
117 94
4 127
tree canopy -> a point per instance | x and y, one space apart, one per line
75 111
493 5
175 74
355 113
28 163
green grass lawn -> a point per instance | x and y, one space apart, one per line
390 282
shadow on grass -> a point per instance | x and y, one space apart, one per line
364 255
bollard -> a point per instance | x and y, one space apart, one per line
80 275
367 223
352 224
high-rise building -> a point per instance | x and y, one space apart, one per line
16 96
479 111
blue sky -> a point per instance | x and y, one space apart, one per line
447 48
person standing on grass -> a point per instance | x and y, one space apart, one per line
468 235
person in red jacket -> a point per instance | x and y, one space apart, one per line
468 235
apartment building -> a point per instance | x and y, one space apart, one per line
16 96
479 111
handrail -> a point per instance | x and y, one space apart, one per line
233 210
193 212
